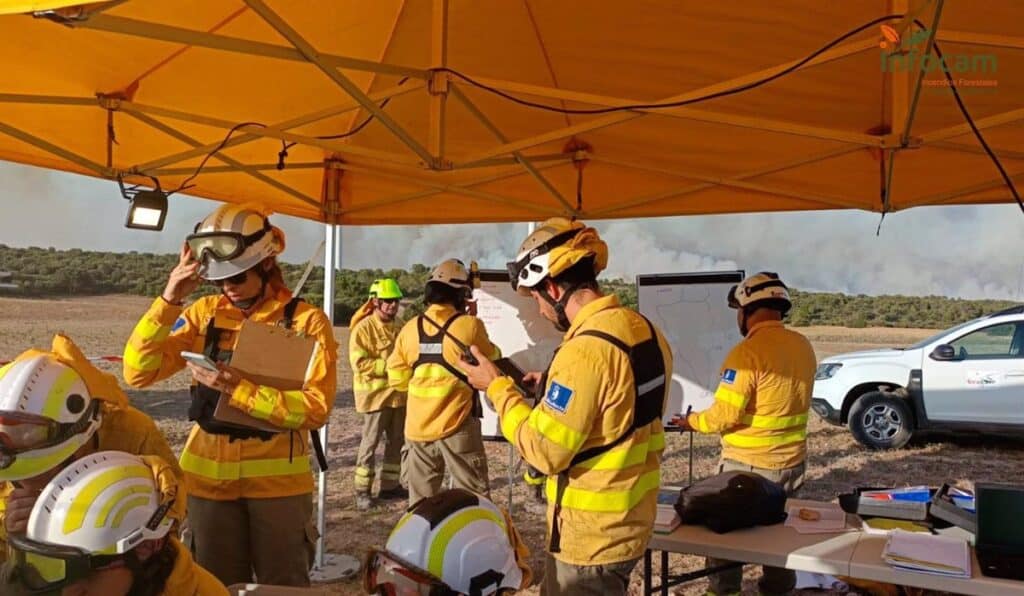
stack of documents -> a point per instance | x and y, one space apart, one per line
666 520
816 520
928 553
903 503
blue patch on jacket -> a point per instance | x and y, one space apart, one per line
558 396
178 324
729 376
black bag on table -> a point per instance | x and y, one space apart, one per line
732 500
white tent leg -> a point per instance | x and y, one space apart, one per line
329 567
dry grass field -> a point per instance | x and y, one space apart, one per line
100 325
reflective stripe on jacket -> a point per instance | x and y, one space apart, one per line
370 342
608 506
762 399
218 468
438 402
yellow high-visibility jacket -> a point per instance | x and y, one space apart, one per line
188 578
438 402
216 467
121 429
609 504
762 398
370 341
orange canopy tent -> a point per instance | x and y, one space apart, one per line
413 112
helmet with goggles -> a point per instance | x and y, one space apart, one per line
92 516
232 240
761 290
456 542
554 247
47 408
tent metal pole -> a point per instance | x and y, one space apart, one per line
454 188
47 99
331 250
483 119
840 51
157 31
429 193
982 123
980 39
237 165
683 113
242 139
346 84
947 197
261 131
732 182
677 193
439 86
49 147
254 167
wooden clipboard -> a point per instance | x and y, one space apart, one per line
267 355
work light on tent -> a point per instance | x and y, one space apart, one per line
147 209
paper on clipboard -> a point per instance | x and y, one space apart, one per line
267 355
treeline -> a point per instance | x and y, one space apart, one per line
46 272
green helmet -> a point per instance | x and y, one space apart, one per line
374 287
386 289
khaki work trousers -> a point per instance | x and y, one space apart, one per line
273 539
774 580
461 453
585 580
387 425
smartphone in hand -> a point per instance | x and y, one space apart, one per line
200 360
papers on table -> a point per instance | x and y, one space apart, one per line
928 553
826 520
666 519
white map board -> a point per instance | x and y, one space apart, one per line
515 325
690 310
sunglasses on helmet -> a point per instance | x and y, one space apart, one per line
20 432
46 568
221 245
389 575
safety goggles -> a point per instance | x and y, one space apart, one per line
387 575
20 432
223 246
773 282
45 568
235 280
518 271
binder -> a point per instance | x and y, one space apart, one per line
267 355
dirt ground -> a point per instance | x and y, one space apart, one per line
100 325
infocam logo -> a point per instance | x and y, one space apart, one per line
907 54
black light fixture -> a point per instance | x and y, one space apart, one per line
148 207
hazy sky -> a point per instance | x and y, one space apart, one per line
970 252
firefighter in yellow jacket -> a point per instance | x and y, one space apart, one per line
55 408
597 433
371 340
442 424
761 405
250 501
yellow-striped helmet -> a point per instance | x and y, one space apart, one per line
555 246
461 539
763 289
105 503
46 414
234 239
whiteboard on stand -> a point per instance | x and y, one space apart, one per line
691 310
515 325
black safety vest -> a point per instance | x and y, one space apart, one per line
431 351
204 399
650 388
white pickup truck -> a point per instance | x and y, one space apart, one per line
969 378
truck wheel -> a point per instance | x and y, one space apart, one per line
881 421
